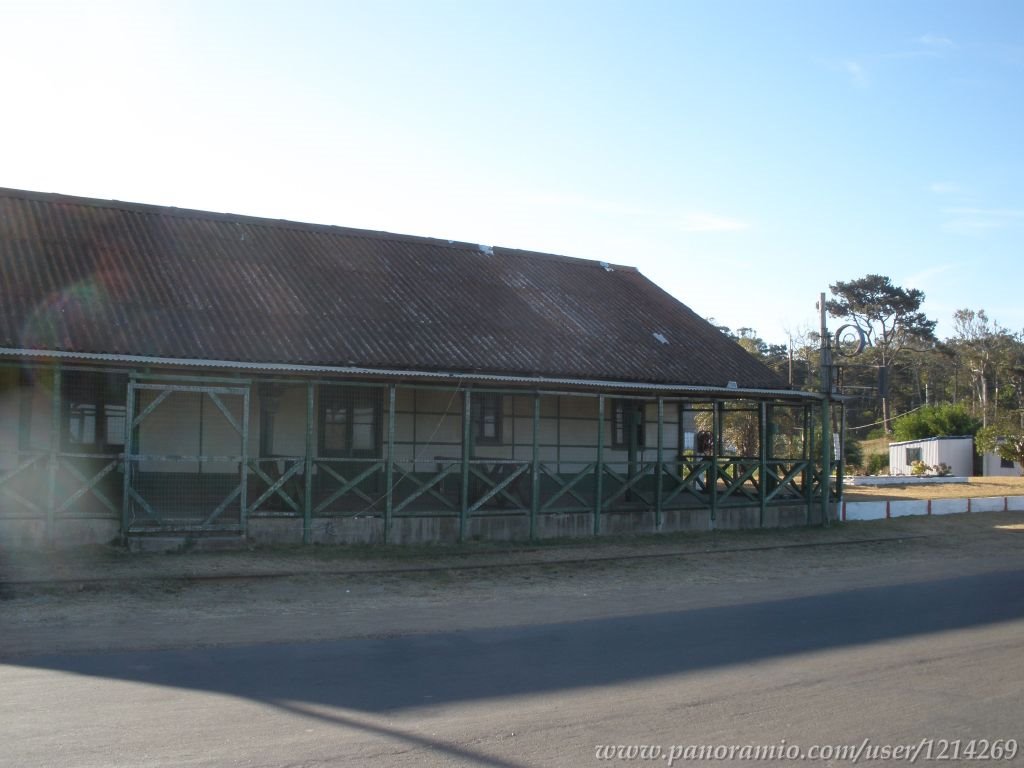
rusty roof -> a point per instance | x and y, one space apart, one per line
91 276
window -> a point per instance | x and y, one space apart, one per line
1006 463
689 442
350 421
627 423
267 431
94 411
25 410
270 403
485 416
913 454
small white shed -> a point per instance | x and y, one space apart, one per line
957 452
994 465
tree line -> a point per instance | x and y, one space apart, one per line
907 383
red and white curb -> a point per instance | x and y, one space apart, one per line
884 510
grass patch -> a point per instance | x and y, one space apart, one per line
973 487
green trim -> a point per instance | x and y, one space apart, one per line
307 502
89 486
239 491
243 511
628 481
599 466
841 468
219 389
467 448
785 480
389 473
566 487
55 440
30 505
129 445
274 486
811 473
660 465
211 380
239 428
496 488
427 487
534 465
144 504
716 436
762 486
149 408
826 461
346 484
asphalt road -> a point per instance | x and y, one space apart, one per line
894 664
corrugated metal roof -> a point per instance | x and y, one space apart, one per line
82 275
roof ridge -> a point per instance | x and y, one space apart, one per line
289 224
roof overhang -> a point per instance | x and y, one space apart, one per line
732 392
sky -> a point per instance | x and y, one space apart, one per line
742 155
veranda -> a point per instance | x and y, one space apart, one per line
97 453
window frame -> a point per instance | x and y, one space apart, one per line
486 404
267 419
349 399
103 397
620 407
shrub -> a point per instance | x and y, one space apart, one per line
1005 439
854 456
919 468
878 463
935 421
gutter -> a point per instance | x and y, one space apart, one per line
345 370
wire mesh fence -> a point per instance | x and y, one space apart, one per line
187 455
568 433
278 444
26 434
61 441
429 430
348 471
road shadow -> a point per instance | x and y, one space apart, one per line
379 675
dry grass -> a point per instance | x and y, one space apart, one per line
878 445
974 487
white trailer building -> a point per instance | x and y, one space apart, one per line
956 452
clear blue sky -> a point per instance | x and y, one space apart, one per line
741 154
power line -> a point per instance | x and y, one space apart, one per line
875 424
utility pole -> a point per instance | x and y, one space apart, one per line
790 362
826 416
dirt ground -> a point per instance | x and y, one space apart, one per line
973 487
103 599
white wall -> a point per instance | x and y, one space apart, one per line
173 429
289 434
10 412
992 467
957 452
